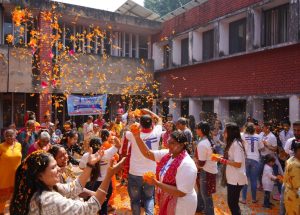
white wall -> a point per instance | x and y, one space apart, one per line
221 107
197 45
257 27
195 107
224 37
294 103
158 56
258 109
176 51
174 108
191 47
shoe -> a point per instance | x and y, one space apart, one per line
243 201
276 197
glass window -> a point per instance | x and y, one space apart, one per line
237 36
276 21
133 46
185 51
7 27
208 45
126 45
69 31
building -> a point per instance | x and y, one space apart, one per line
117 61
232 57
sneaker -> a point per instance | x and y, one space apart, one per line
276 197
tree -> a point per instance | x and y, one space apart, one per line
162 7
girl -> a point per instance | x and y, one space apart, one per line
268 180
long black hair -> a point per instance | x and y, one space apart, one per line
95 144
205 129
69 134
233 134
180 137
27 182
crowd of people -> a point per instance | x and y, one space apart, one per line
184 161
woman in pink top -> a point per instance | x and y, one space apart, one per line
43 143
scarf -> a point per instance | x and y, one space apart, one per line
167 202
165 139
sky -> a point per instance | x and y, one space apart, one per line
110 5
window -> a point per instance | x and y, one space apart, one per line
126 45
7 27
166 50
107 43
69 31
143 47
208 45
276 25
237 36
185 51
133 46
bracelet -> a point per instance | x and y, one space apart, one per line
223 161
90 165
102 191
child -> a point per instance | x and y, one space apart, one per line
268 180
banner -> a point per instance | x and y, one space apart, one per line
86 105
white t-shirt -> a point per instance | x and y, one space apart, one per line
267 177
138 163
253 144
271 141
185 181
284 136
236 176
288 146
107 156
204 154
87 130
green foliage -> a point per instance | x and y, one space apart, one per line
162 7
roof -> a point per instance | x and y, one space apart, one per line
134 9
180 10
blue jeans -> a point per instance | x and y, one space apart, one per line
267 202
252 171
140 192
207 199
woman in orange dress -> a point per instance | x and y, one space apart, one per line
10 159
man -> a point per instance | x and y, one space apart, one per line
100 121
118 125
139 165
47 121
181 124
286 133
291 142
88 129
170 117
27 137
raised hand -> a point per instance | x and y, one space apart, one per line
94 158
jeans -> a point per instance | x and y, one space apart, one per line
94 187
281 206
233 195
252 171
267 199
207 199
140 192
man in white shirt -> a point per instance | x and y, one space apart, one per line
289 142
139 165
88 129
286 133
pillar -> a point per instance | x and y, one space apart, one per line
221 107
294 108
174 108
195 107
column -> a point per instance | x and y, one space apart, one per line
191 47
174 108
137 46
294 106
197 46
176 51
249 106
250 30
294 28
221 107
149 47
195 107
130 45
258 109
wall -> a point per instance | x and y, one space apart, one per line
274 71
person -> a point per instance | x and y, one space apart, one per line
268 180
208 168
139 165
96 130
181 124
253 145
217 136
292 182
117 126
88 129
69 142
43 143
61 156
38 191
289 143
27 137
234 172
170 117
99 171
10 159
170 127
47 121
286 132
176 193
100 121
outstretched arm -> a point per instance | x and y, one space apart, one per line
143 147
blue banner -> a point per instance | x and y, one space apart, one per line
86 105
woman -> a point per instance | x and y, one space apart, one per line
10 159
170 127
234 173
60 155
253 145
99 171
192 125
38 191
292 182
43 143
176 193
209 168
69 142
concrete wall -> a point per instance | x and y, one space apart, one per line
114 75
3 69
20 70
